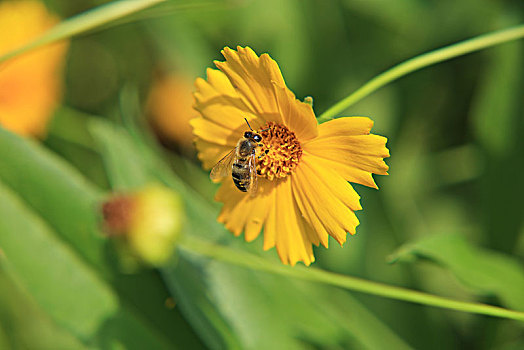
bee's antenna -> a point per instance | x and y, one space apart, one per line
252 128
248 124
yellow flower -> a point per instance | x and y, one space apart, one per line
29 84
170 107
303 195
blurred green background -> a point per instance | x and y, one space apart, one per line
448 220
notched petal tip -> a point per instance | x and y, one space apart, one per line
351 150
226 50
346 126
251 77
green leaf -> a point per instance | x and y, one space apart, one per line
67 289
24 325
487 272
124 171
62 284
66 201
56 191
294 311
369 331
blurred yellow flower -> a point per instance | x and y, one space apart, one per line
30 84
303 195
170 107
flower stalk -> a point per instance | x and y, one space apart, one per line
247 260
422 61
83 22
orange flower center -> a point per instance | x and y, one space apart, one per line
278 153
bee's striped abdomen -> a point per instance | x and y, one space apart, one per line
240 174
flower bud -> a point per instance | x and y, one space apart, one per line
308 100
145 225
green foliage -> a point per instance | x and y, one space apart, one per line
487 272
454 131
28 326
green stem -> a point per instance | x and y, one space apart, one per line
424 60
233 256
84 22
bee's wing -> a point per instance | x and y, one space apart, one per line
223 167
252 189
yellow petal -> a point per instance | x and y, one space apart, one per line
222 123
217 101
347 126
325 201
291 241
310 214
271 225
297 116
365 145
241 212
210 153
252 77
348 172
354 152
215 133
221 83
276 209
346 146
336 184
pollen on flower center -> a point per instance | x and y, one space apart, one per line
279 151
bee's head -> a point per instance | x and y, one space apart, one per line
252 136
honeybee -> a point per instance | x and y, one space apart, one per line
240 163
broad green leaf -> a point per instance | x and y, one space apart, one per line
70 125
369 331
285 319
293 312
487 272
67 289
56 191
5 341
61 283
67 136
66 201
24 325
124 171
